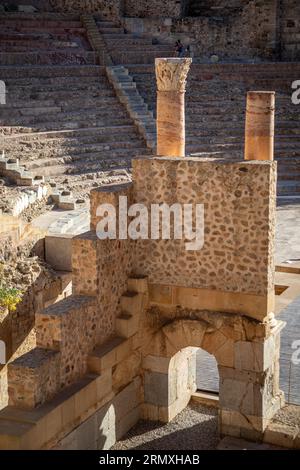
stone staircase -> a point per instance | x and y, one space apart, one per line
127 48
215 111
40 39
126 90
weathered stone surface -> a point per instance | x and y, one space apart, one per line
260 124
245 228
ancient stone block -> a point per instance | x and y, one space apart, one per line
160 389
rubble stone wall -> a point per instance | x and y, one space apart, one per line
239 223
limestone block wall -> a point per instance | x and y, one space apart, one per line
239 223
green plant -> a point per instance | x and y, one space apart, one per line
9 298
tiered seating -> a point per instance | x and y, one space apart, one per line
61 117
43 39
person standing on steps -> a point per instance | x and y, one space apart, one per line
179 49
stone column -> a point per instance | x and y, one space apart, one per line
171 80
259 134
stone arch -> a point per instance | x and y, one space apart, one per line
197 333
246 352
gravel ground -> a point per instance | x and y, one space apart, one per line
289 414
195 428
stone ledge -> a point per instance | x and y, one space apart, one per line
206 398
252 305
109 354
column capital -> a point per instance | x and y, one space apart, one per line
171 73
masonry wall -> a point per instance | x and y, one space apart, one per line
39 285
249 31
239 223
290 30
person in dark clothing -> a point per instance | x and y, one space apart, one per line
179 49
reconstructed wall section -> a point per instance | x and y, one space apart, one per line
236 261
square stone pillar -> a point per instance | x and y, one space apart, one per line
249 391
171 76
168 384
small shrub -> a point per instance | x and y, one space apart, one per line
9 298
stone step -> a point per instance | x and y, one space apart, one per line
30 156
115 41
46 99
108 354
22 22
84 132
74 122
58 57
97 166
23 42
48 72
75 144
287 187
33 378
59 107
54 324
86 158
131 303
110 29
126 325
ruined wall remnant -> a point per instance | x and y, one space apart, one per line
122 346
236 29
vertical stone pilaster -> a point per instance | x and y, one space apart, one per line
259 132
171 77
249 392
